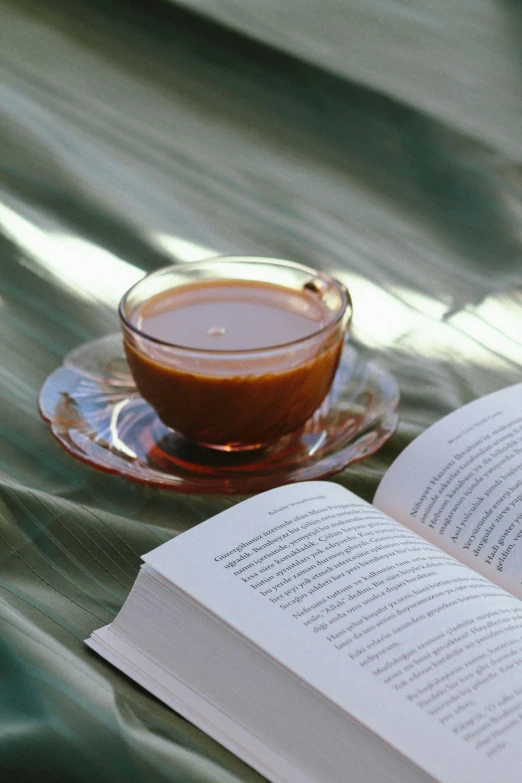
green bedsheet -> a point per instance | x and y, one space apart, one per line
382 146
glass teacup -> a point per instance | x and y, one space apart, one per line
234 353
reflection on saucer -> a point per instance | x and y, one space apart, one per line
96 413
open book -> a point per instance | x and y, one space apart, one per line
324 639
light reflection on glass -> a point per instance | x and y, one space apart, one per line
116 441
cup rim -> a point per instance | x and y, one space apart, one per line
256 260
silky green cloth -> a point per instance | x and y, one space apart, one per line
137 134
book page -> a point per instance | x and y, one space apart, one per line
460 486
371 615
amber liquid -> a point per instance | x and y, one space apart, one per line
231 316
212 399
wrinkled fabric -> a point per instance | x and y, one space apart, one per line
138 134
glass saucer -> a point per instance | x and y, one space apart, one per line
96 413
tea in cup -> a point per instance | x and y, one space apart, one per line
235 352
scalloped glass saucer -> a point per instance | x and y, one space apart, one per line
96 413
